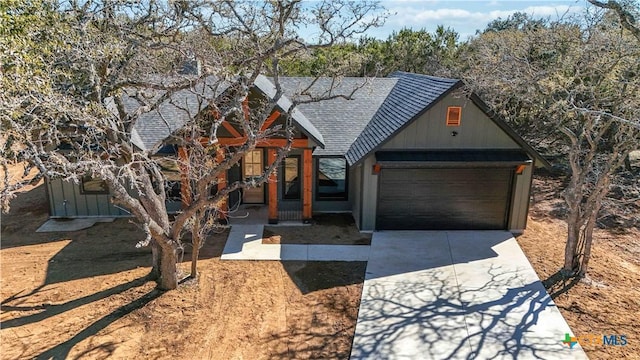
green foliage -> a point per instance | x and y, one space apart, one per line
336 59
31 31
414 51
407 50
516 21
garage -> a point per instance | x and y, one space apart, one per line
444 198
434 157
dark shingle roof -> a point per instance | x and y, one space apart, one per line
157 125
339 120
412 96
380 108
153 127
307 127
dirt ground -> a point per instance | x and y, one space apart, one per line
84 294
329 229
608 301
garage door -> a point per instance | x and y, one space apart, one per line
443 199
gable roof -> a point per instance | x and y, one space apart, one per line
412 95
354 127
340 120
153 127
299 119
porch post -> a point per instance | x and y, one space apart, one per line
306 188
273 188
185 184
222 183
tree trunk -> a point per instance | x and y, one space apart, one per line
573 236
195 245
195 254
588 240
168 277
155 260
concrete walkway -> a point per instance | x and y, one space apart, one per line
64 225
455 294
245 243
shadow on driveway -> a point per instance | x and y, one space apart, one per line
455 294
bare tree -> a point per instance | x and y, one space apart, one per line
627 11
574 87
75 93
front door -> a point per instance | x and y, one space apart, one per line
253 167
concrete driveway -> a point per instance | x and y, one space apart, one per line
455 294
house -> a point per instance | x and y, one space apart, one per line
408 151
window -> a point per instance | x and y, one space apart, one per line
170 168
253 163
291 181
91 185
454 114
331 179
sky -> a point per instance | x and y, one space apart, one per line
465 17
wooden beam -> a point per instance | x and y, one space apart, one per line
297 143
222 183
232 141
307 166
273 188
273 117
185 183
231 129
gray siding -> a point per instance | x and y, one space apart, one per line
369 195
520 204
476 130
355 194
65 200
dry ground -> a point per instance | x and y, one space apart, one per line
608 302
330 229
84 295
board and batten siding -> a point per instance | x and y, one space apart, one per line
355 194
369 195
66 201
429 132
520 200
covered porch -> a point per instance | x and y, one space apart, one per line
287 196
287 193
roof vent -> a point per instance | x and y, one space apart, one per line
191 65
454 114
